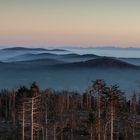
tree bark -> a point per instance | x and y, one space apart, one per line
23 116
32 127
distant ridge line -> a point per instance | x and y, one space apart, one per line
102 62
30 49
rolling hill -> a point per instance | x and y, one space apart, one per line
102 62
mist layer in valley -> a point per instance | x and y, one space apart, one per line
65 69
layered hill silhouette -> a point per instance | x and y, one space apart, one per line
7 54
39 62
135 61
52 60
102 62
60 70
30 56
31 49
23 49
62 57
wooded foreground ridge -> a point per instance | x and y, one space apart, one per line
102 112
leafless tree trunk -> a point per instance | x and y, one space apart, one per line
72 119
81 102
54 132
68 101
43 136
112 120
105 130
91 132
46 120
32 127
23 119
99 117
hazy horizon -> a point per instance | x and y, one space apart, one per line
3 46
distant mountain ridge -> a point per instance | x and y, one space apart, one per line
79 55
64 57
102 62
31 49
40 62
23 49
106 48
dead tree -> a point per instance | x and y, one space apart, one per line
29 114
97 90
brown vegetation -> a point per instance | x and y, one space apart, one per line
101 113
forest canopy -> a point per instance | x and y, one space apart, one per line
102 112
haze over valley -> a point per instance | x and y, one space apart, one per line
66 68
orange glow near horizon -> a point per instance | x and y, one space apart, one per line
70 23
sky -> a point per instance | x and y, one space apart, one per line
70 22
